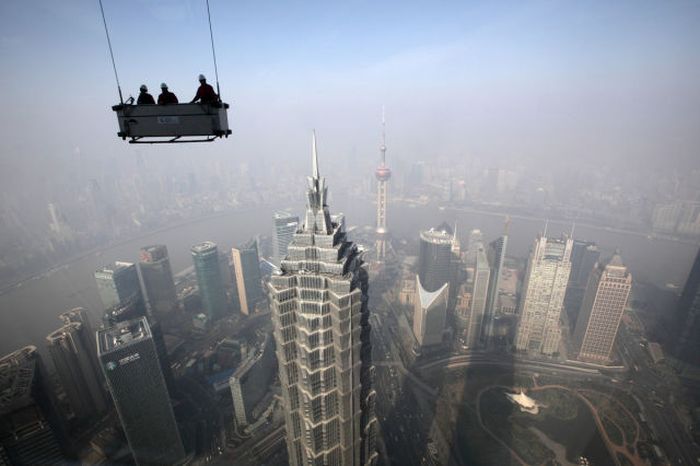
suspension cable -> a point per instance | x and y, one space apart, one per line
111 54
213 52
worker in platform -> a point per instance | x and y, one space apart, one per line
205 93
166 97
144 97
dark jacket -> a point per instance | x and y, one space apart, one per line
166 97
206 94
145 99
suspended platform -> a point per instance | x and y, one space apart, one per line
163 124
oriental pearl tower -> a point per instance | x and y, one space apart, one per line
383 174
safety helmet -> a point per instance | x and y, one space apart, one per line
163 86
202 77
143 88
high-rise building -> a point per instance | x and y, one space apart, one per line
496 255
435 259
157 275
246 268
603 304
687 346
211 288
383 173
321 325
285 225
87 334
130 364
251 381
542 298
74 366
118 285
31 431
429 314
479 294
584 256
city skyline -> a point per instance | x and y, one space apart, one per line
397 301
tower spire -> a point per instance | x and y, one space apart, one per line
382 148
314 161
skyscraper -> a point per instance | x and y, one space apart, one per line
584 256
285 225
321 326
211 288
31 431
251 381
603 304
118 285
130 365
479 296
542 298
496 256
687 346
429 314
246 268
383 173
158 279
435 259
74 366
87 334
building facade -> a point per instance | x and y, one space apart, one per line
284 227
211 287
603 304
251 381
72 360
130 364
246 268
543 293
496 255
429 314
584 256
158 281
479 296
435 258
320 314
118 284
687 347
31 431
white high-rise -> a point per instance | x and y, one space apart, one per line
543 293
285 225
321 325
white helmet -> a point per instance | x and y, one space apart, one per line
163 86
143 88
202 77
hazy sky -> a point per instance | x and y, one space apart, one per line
508 80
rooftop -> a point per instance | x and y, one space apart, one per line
206 246
17 371
123 334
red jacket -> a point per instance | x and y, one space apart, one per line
167 97
206 94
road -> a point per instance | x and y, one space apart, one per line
654 391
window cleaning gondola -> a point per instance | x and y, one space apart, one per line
204 119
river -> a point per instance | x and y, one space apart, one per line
29 311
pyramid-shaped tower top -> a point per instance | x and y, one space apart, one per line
318 219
